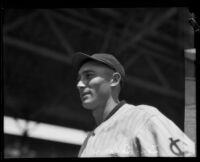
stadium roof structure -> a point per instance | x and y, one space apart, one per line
39 83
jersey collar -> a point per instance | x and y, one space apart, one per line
115 109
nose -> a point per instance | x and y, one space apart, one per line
80 84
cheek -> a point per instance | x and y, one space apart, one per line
100 87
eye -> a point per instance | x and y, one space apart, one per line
89 76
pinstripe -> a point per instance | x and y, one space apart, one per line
131 128
168 129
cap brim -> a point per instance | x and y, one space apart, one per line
79 58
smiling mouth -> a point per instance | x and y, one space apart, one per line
84 94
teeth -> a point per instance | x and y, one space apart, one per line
85 94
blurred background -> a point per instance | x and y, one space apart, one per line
42 114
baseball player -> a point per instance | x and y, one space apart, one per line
123 130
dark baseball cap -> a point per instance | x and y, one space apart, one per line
109 60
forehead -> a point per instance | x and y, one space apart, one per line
94 66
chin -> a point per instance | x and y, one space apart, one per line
88 105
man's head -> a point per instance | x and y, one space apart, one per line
99 77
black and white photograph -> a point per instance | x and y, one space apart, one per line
99 82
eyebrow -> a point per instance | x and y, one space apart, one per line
86 71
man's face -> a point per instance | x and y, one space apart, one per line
94 84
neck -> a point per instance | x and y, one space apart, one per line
102 111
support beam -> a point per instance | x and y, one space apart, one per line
107 39
60 57
148 29
158 48
100 33
108 12
164 59
58 33
77 23
81 15
125 32
19 21
167 38
134 81
82 25
37 49
131 61
157 71
160 52
161 35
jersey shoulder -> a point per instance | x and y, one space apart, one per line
133 118
144 109
138 114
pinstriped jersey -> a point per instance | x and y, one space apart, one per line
137 131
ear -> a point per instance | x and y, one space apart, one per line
115 79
